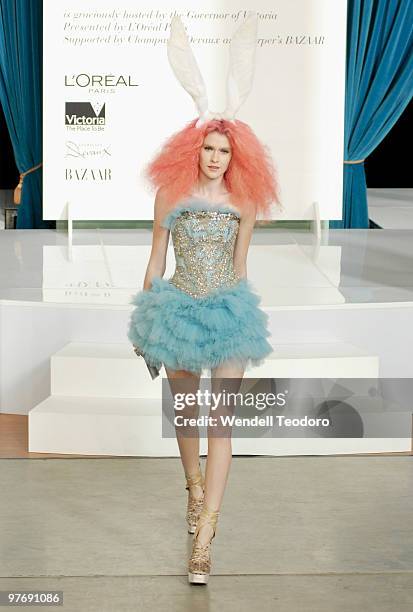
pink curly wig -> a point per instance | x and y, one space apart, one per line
250 177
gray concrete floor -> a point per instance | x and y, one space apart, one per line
320 534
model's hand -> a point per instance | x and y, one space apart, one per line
137 350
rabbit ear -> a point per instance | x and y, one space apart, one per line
241 64
184 65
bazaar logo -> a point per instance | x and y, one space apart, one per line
88 174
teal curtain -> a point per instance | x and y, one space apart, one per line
379 86
21 99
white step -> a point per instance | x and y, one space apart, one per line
101 370
318 360
104 401
125 427
113 370
99 426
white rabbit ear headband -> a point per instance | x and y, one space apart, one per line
240 73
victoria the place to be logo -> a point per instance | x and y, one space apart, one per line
85 113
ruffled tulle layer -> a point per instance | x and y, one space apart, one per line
182 332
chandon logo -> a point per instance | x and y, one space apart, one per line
85 113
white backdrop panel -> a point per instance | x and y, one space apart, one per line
111 99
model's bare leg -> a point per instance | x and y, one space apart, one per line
182 381
219 446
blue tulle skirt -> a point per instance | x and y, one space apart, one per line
186 333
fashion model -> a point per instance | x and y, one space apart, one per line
212 178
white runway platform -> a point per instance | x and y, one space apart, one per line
339 307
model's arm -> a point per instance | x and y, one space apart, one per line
242 243
160 239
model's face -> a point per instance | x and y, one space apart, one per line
215 155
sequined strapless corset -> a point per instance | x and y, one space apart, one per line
204 242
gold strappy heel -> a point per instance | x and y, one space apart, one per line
199 565
194 504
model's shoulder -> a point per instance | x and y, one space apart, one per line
160 206
247 212
160 196
161 202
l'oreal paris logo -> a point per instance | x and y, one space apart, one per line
99 80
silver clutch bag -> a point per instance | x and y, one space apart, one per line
153 370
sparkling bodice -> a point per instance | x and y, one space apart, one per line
204 240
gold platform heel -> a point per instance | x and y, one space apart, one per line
194 504
199 565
